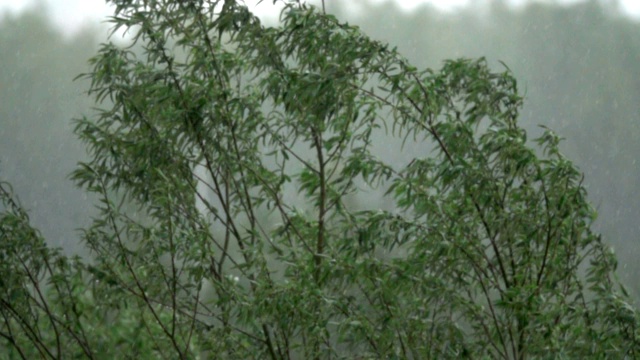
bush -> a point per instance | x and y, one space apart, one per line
203 247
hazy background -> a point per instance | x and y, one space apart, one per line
578 62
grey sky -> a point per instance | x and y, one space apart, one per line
71 15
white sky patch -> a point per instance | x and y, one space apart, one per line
72 15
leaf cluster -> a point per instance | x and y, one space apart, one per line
225 155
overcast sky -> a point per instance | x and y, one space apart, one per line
72 14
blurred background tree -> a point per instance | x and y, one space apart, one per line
37 100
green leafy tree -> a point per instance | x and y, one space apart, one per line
575 65
240 144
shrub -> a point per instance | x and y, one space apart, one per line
231 161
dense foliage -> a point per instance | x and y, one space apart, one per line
202 249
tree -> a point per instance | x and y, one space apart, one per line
487 251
